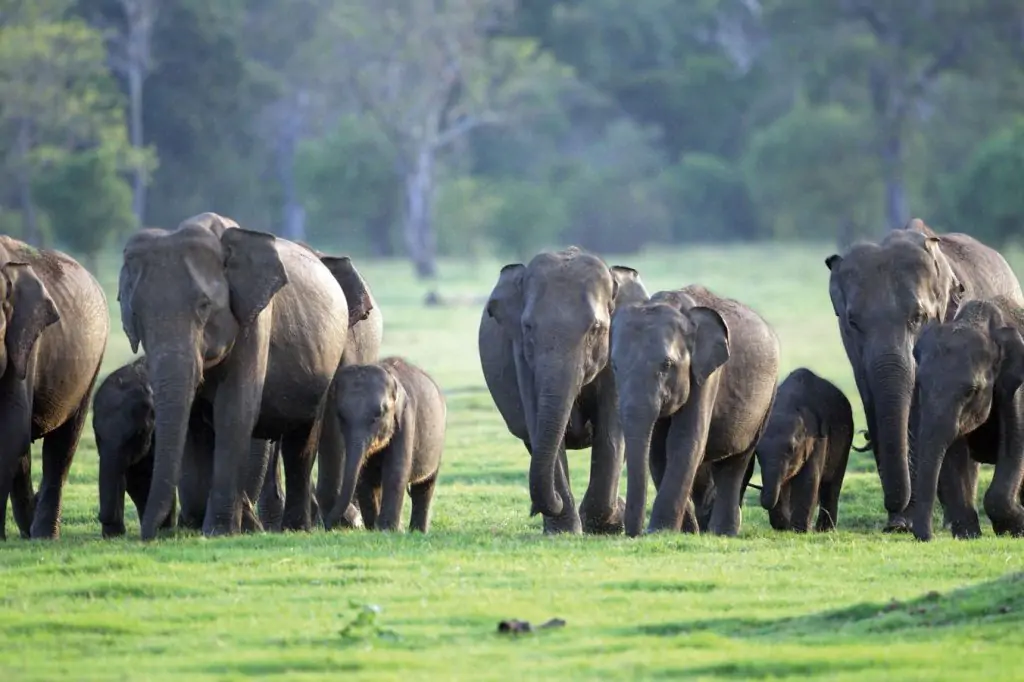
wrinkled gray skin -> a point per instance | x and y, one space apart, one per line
361 348
53 331
968 375
392 417
804 451
543 344
883 294
696 378
242 332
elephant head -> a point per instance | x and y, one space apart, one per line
28 309
557 310
964 369
357 293
785 447
186 296
883 294
663 351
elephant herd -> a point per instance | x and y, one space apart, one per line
262 354
683 385
258 352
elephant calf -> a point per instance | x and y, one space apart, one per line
969 371
392 417
695 375
803 452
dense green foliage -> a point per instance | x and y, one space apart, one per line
855 605
501 126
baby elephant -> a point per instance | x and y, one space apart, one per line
392 416
122 420
803 452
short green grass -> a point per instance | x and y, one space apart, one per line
855 604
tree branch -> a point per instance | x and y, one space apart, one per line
463 126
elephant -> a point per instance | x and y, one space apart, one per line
804 451
361 348
53 333
243 331
543 344
969 371
696 378
882 295
392 417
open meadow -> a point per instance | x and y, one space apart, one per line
856 604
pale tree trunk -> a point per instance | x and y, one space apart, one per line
420 241
293 214
30 224
135 81
140 16
897 212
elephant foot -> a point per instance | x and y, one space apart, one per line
45 528
607 523
897 523
967 528
566 522
250 522
351 518
113 530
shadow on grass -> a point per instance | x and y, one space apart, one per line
997 601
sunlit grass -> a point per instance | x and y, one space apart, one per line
765 605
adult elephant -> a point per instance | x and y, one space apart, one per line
361 348
543 344
244 330
883 294
53 331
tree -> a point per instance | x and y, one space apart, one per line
429 74
56 96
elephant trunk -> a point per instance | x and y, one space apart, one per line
355 452
771 482
892 387
638 426
555 397
174 378
936 431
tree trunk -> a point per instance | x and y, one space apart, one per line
896 211
136 78
30 224
420 241
293 214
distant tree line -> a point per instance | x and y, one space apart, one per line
469 127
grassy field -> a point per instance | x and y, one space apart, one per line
855 604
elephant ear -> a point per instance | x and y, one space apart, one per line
357 293
813 426
710 346
835 290
254 271
126 283
1011 366
505 305
31 311
951 288
627 287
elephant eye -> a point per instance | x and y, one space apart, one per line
853 322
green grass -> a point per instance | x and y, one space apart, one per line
856 604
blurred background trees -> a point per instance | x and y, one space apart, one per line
419 128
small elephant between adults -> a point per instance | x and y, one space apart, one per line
883 295
243 333
53 332
804 451
969 372
696 377
543 344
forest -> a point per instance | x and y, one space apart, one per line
472 128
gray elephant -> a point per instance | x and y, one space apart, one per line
543 344
695 375
969 371
883 294
361 348
53 332
804 451
242 331
392 417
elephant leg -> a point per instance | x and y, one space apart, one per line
368 492
138 479
113 484
330 460
1004 496
298 449
259 456
958 481
196 473
804 497
728 475
780 515
602 510
828 499
58 451
23 498
271 501
569 520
